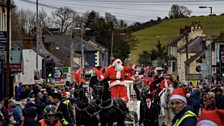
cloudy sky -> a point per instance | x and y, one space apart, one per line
128 10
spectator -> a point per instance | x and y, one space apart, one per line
19 91
183 114
219 99
29 113
52 118
40 105
4 110
65 107
210 103
149 112
16 112
211 118
195 96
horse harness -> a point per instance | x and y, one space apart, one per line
86 111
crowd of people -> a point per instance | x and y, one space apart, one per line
34 106
49 105
190 104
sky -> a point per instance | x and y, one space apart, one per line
128 10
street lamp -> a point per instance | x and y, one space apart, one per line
209 56
82 47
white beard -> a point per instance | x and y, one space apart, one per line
119 67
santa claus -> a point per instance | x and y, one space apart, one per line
166 82
116 75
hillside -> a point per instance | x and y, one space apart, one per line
168 30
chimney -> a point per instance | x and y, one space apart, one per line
28 43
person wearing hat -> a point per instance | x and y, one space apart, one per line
219 99
64 106
211 118
166 82
149 112
116 74
184 116
52 118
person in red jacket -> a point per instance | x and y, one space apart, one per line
116 74
166 82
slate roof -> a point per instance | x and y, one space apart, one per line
194 46
41 51
64 41
17 44
194 57
177 39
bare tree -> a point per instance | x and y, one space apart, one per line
64 18
45 20
177 11
16 27
27 20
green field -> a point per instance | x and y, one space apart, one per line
168 30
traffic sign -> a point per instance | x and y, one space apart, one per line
3 36
3 40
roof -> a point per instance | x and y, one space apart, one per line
64 42
174 42
194 46
97 44
41 51
17 44
194 57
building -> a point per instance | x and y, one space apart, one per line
94 53
187 51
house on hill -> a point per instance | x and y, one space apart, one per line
188 51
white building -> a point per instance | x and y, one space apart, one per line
29 67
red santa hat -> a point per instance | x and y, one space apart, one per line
179 93
64 94
166 75
211 118
115 60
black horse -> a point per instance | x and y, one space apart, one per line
111 110
86 112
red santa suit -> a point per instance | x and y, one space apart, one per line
166 82
116 78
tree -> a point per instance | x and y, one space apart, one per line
145 58
111 20
27 21
102 29
16 27
45 20
177 11
159 53
64 18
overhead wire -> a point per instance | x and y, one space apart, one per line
74 5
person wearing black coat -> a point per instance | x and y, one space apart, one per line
219 99
149 112
65 107
29 113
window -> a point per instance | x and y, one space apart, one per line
103 56
174 66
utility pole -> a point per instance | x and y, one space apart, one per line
112 46
37 33
83 58
186 65
71 54
209 53
7 52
